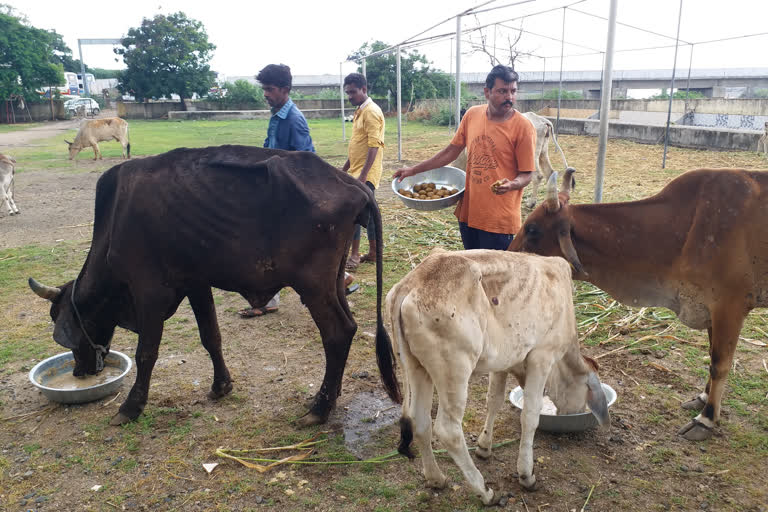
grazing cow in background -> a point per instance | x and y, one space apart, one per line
98 130
7 171
544 130
238 218
699 247
472 312
762 142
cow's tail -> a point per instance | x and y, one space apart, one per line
128 142
408 361
385 357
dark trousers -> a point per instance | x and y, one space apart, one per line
478 239
371 222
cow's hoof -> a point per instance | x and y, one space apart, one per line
497 498
220 391
695 431
119 419
437 483
310 419
528 483
483 453
696 404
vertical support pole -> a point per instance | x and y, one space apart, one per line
672 88
688 85
82 69
450 89
399 111
605 103
560 87
458 71
543 77
364 71
341 93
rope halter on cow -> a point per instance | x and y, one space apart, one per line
101 351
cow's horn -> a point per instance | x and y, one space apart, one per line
568 181
65 140
46 292
552 202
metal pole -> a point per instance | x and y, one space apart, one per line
364 73
450 89
341 93
605 103
399 111
82 69
560 87
688 85
602 73
672 88
543 75
458 71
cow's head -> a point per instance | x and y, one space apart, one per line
74 149
69 329
573 387
547 230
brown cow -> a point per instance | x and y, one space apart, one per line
699 247
99 130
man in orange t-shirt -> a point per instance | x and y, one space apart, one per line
500 146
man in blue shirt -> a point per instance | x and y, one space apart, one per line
287 130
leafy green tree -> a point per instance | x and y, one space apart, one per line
243 91
26 61
678 95
166 55
418 78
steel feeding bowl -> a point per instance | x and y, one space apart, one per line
442 176
564 422
53 377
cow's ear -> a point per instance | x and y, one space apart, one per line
64 332
596 400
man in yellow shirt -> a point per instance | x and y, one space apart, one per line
366 152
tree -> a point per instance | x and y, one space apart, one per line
418 79
166 55
26 61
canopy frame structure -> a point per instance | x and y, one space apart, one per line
606 54
80 43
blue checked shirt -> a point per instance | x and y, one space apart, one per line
288 130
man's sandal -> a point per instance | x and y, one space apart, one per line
254 312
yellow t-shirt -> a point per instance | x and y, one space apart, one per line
367 132
495 150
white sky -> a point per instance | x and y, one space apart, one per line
313 36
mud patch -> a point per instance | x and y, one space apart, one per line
365 415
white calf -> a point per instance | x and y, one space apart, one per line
474 312
7 170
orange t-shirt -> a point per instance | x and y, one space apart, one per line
495 150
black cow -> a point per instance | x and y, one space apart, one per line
239 218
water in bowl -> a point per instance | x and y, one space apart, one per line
56 379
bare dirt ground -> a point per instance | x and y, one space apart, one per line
56 457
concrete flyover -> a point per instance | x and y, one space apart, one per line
713 83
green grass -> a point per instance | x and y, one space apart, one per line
154 137
6 128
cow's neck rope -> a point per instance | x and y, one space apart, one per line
101 351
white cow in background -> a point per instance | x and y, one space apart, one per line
476 312
7 170
762 142
544 130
